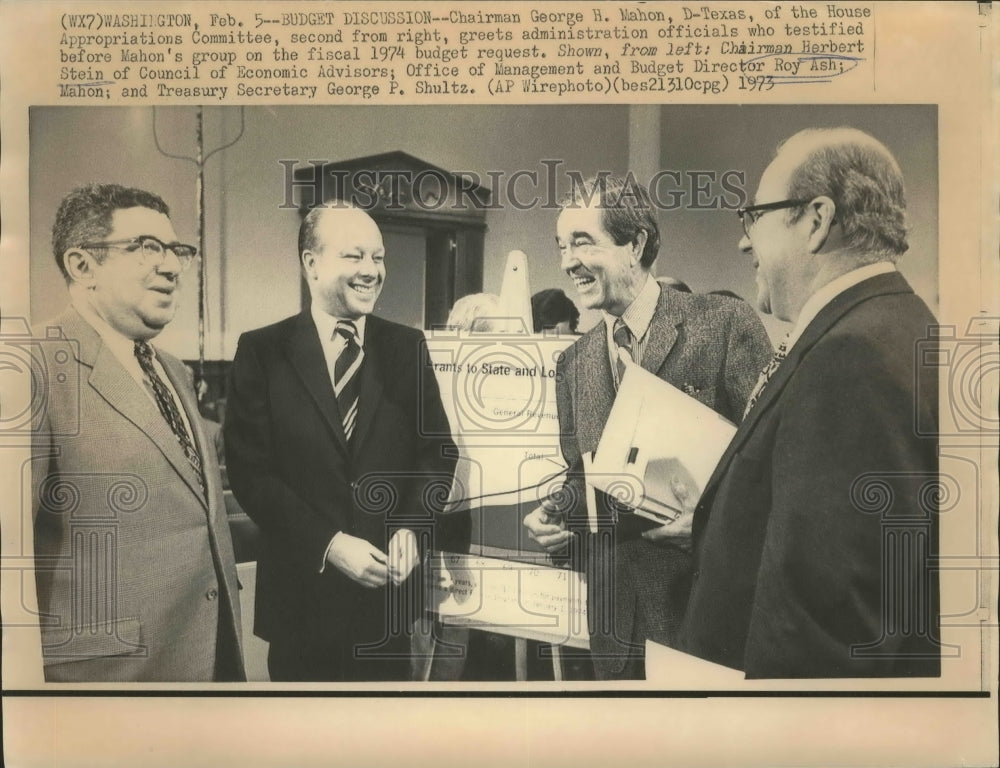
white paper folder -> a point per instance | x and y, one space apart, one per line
659 447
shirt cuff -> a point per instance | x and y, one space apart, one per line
326 553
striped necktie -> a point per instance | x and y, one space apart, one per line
169 410
346 382
622 336
765 375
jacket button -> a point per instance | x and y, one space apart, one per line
212 594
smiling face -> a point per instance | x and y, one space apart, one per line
346 267
607 276
134 295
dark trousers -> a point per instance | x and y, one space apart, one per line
228 665
636 590
338 660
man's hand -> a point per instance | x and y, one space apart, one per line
361 561
677 530
403 555
547 526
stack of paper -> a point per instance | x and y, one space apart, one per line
659 448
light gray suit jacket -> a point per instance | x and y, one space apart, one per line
135 570
713 348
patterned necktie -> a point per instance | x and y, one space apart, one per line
169 410
623 340
346 382
766 374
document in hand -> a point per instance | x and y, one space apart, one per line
659 447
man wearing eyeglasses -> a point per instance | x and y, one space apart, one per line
135 570
815 535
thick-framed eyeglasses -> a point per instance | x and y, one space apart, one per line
750 214
152 249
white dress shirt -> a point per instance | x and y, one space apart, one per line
123 349
637 316
333 343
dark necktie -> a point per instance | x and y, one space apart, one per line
346 382
168 409
623 340
765 375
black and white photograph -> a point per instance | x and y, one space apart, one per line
499 382
319 417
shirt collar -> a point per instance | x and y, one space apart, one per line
639 314
326 324
121 346
832 290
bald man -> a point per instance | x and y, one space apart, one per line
336 442
815 538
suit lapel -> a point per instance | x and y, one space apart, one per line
595 382
113 383
305 352
376 359
828 316
189 405
662 333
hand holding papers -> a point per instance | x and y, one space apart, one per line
658 450
679 527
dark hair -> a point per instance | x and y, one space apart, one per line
626 210
84 215
865 183
551 307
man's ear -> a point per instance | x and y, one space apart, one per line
80 266
309 264
821 215
639 246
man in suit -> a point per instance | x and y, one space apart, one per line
135 570
709 346
339 449
815 535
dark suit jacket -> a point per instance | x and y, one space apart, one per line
820 507
294 473
136 576
713 347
